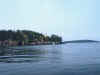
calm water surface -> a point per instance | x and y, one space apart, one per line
66 59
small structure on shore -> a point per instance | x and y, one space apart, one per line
25 37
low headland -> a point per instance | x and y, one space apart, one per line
80 41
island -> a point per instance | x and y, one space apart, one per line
27 37
80 41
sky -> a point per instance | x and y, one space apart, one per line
71 19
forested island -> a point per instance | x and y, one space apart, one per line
26 37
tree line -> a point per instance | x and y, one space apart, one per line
28 36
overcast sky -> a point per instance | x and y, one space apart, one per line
71 19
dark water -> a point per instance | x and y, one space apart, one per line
66 59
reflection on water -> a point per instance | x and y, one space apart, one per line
20 54
65 59
28 53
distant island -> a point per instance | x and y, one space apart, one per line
26 37
79 41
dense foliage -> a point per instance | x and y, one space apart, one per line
27 36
